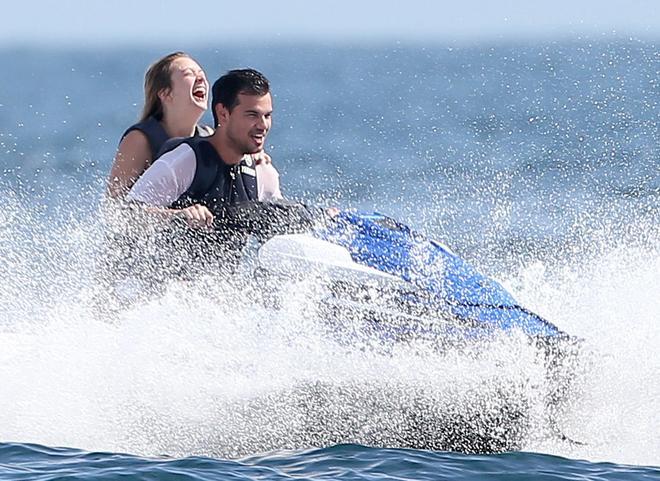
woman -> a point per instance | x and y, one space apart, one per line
176 97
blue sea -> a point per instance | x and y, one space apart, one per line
537 162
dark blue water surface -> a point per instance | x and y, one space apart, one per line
341 462
536 162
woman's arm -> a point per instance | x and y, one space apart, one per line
132 159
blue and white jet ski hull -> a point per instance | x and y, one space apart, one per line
369 257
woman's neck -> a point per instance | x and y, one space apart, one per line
180 125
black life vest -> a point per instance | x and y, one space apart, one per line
217 184
158 137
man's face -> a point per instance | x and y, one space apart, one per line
248 123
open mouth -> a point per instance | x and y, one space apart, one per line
199 93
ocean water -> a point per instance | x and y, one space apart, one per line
537 163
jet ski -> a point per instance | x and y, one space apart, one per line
370 261
380 284
400 283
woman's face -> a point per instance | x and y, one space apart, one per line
189 86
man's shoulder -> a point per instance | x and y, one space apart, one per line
175 142
199 151
204 150
181 152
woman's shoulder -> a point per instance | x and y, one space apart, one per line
152 130
145 126
203 131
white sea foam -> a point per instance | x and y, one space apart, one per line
609 297
207 369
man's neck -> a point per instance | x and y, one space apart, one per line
227 154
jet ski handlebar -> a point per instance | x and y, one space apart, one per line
268 219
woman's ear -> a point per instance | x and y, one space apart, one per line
164 94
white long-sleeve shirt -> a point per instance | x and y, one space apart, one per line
172 174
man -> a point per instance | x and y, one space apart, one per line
204 174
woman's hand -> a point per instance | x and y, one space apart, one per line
261 158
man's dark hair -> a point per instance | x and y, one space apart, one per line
244 81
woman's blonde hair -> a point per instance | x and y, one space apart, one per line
158 78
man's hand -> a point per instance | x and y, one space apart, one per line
197 216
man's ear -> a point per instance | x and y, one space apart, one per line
222 113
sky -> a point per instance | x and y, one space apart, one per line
115 22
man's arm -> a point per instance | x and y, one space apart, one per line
165 182
167 179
